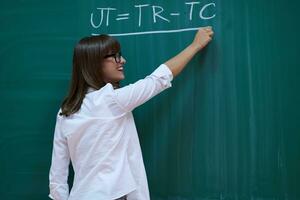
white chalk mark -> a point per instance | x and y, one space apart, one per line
174 14
122 18
202 10
152 32
92 20
156 14
122 15
140 11
191 8
102 15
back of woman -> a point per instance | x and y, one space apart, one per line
95 128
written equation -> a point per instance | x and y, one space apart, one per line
104 17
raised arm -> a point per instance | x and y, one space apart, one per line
133 95
202 38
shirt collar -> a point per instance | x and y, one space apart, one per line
90 89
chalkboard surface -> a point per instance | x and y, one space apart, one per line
228 128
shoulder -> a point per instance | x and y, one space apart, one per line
105 87
100 96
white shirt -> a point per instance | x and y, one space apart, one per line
102 143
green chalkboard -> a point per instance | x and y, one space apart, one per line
228 128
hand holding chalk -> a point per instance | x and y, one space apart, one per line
203 37
177 63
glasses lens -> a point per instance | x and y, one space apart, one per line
118 57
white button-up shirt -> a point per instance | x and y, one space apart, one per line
102 143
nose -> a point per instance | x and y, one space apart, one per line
123 61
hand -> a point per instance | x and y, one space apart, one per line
203 37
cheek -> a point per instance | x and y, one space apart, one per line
108 71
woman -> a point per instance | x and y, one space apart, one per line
95 128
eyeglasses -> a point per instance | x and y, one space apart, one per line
117 56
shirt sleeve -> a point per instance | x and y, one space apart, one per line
59 170
135 94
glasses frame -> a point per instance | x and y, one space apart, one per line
117 56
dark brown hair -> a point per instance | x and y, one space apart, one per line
88 55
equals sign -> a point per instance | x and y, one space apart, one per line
122 16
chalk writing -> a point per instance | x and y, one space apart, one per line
103 17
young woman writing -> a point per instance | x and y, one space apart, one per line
95 128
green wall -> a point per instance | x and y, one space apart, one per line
229 126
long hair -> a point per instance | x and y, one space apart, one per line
88 55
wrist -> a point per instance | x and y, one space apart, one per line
195 47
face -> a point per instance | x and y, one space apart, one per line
112 70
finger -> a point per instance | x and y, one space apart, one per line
210 33
208 30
